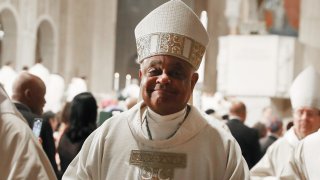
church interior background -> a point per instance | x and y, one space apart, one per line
256 49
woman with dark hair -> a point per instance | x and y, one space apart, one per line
82 122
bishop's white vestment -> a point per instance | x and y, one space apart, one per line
119 149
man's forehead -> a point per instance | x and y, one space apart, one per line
307 109
171 60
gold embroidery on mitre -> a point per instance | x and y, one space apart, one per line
143 47
196 54
171 44
157 165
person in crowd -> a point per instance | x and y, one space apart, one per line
64 116
303 164
82 122
275 130
28 97
261 128
248 138
305 101
22 156
162 137
52 118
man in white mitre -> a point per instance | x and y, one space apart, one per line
162 137
304 95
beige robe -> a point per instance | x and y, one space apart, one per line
22 156
277 156
211 152
305 162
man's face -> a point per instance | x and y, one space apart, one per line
167 83
306 121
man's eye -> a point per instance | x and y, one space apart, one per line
176 74
153 72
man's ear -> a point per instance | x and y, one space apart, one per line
140 74
194 79
27 93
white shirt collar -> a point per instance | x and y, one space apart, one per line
162 127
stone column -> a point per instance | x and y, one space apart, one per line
309 32
103 55
217 26
26 34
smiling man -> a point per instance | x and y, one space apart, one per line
163 137
167 83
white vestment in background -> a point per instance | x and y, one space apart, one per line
55 93
211 153
76 86
277 156
7 77
305 162
41 71
22 156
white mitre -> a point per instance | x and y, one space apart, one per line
305 90
172 29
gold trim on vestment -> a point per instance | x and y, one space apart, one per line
157 165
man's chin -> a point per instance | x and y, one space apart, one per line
164 100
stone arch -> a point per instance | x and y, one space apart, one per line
8 43
45 50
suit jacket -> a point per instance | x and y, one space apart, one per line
266 142
248 139
46 133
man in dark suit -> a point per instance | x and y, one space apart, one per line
28 97
248 138
274 132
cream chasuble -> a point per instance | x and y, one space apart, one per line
119 149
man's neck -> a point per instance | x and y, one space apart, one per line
162 118
236 117
160 127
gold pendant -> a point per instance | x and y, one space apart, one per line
157 165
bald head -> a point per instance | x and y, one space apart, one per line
238 109
29 90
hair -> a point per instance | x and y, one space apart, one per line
275 126
210 111
83 116
48 115
262 129
65 113
289 125
237 108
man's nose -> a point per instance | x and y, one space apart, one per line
304 115
163 79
